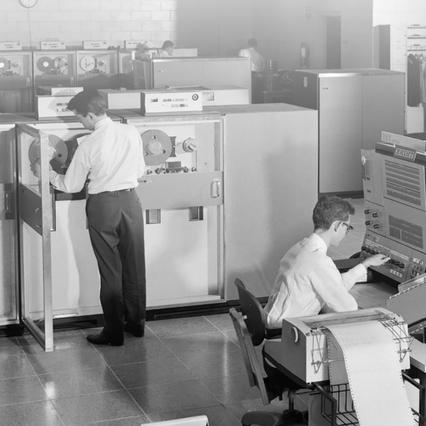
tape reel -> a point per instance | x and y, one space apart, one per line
59 152
60 64
4 64
45 64
157 147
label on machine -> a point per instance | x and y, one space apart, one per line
170 101
10 45
52 45
95 44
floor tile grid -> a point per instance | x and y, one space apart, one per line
28 349
22 352
131 389
131 396
217 402
230 412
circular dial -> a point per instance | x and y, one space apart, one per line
28 3
87 63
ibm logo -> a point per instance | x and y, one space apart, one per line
405 154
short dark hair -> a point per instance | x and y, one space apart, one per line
167 44
89 100
329 209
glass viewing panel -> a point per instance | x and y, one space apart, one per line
35 220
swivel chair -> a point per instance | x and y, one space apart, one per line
250 327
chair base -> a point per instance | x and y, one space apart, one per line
270 418
294 417
262 418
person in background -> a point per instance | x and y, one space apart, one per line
308 281
111 158
257 67
142 52
166 49
257 61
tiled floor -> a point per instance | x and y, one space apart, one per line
182 367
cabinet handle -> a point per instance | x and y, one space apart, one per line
8 206
53 226
216 188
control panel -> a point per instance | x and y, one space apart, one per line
404 263
374 217
371 176
395 213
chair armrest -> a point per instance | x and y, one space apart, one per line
270 333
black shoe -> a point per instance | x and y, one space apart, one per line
138 330
102 339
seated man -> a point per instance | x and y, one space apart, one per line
308 280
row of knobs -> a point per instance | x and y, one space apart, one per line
374 214
390 261
160 170
375 226
369 222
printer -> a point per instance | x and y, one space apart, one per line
302 349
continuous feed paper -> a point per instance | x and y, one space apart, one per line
373 370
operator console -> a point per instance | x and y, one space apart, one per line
404 263
395 205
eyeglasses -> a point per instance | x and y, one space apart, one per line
348 227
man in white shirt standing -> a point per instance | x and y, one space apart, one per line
111 158
308 280
257 61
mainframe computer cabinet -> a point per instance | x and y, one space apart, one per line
354 106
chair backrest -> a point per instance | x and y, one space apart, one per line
187 421
254 315
251 361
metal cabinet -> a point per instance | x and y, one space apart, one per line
8 227
182 197
271 180
354 106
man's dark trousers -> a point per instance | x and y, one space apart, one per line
116 231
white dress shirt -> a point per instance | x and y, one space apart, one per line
111 157
308 281
257 61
